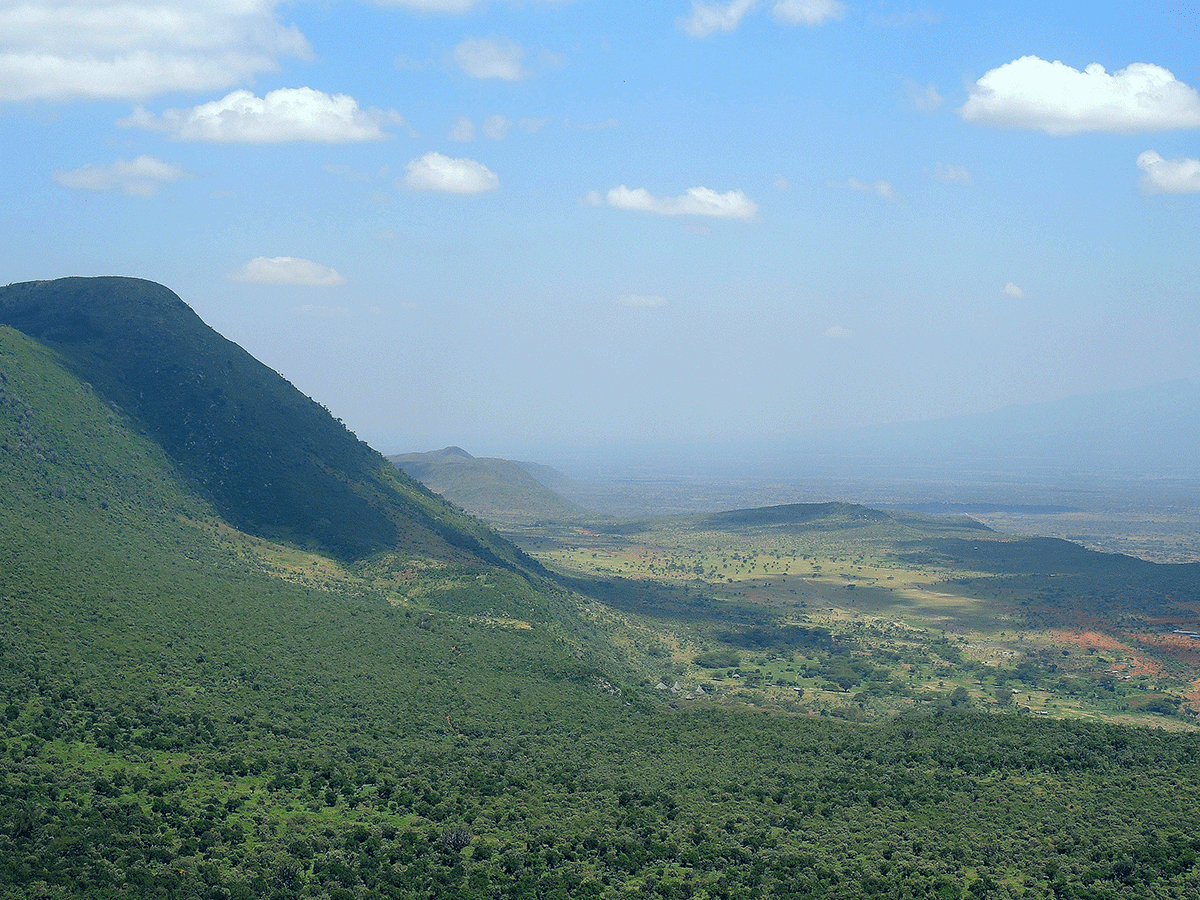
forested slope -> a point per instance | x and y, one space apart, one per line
271 461
179 719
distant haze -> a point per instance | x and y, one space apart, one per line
511 226
1115 471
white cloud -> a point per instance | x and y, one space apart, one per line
707 18
496 127
1169 176
880 188
1059 100
434 172
696 201
953 174
288 270
837 331
435 6
642 300
1013 291
463 130
143 176
136 49
288 114
807 12
484 58
781 183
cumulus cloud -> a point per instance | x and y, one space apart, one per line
491 58
143 176
288 114
289 270
1013 291
807 12
642 300
708 18
463 130
881 189
1169 176
837 331
435 6
696 201
1059 100
136 49
435 172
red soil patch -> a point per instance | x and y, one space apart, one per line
1178 646
1132 664
1086 639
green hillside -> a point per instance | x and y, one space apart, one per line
192 711
271 461
497 490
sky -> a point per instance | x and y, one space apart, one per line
521 226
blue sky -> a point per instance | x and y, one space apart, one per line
537 224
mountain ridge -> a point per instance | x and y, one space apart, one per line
272 461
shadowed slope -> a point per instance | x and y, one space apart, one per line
272 461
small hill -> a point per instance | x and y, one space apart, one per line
497 490
827 516
270 460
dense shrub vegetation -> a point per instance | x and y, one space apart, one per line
180 717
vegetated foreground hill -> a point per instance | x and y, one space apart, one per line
186 711
497 490
271 461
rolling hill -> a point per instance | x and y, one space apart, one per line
497 490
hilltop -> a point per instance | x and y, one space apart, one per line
271 461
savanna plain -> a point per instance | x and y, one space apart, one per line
244 656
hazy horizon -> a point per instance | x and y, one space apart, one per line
503 224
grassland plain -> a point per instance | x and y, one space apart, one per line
190 710
836 609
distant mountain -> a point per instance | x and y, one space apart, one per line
270 460
498 490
